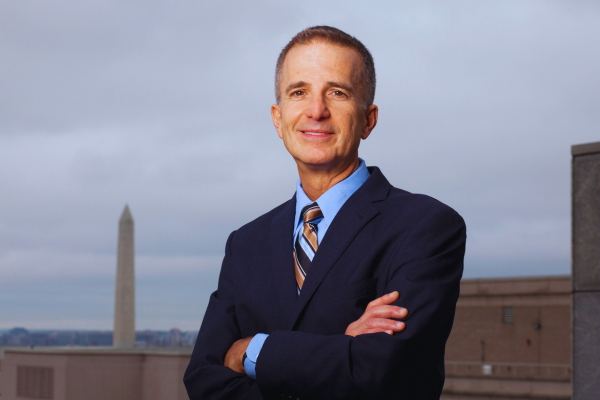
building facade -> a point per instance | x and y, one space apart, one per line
511 340
94 374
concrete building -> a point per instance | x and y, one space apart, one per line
511 340
585 203
94 374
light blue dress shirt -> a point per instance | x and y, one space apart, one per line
330 203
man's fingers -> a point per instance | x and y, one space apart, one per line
377 331
385 299
385 311
382 324
380 316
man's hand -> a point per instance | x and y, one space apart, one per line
379 317
233 358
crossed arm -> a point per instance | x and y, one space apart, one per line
354 365
379 316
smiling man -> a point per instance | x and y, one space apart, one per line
347 290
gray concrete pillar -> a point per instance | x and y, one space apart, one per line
124 329
586 270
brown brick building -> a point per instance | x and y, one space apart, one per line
511 340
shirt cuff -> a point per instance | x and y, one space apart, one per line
252 352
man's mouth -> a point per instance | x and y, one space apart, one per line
316 133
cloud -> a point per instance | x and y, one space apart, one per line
44 264
166 107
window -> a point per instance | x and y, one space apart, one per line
35 382
508 316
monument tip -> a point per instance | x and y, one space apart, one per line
126 216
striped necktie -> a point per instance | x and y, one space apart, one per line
306 244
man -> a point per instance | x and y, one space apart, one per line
311 294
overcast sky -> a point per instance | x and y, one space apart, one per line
166 106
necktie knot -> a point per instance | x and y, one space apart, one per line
311 212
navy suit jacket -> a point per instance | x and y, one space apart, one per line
382 239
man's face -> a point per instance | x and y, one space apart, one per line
321 116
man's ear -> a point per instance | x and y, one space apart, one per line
276 115
372 113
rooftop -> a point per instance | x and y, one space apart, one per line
535 285
165 351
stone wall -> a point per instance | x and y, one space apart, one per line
521 354
94 374
586 270
541 328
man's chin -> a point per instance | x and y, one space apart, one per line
319 160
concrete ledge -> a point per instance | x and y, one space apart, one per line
467 396
505 388
523 286
154 351
586 148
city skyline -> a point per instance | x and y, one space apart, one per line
20 337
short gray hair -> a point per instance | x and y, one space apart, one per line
331 35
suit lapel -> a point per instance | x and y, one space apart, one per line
282 267
352 217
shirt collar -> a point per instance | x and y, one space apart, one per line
333 199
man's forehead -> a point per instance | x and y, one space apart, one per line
322 56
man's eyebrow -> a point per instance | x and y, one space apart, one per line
341 86
295 85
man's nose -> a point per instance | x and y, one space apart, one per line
317 109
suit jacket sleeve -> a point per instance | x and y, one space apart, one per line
426 270
206 377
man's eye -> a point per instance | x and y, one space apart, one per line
298 93
339 93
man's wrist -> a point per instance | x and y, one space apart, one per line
252 352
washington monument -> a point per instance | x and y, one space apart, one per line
124 329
